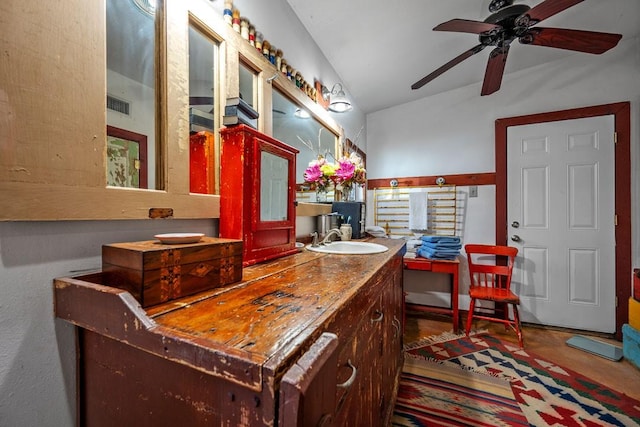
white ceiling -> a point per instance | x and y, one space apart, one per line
380 48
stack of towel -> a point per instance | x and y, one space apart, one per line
376 231
439 247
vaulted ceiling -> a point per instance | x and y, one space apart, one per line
379 49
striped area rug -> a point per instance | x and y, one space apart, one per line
437 395
481 381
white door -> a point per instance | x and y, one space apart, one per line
560 209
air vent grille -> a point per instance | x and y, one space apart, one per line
118 105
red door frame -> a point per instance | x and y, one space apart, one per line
622 113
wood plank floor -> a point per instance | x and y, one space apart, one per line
622 376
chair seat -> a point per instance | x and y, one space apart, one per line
494 294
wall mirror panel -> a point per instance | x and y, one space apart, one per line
248 85
293 125
203 117
274 187
131 94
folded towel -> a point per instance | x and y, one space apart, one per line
413 244
418 211
443 239
425 252
376 231
443 246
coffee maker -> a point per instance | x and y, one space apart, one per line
352 213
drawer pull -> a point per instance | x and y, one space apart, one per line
379 318
396 324
348 383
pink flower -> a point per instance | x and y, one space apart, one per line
345 169
313 173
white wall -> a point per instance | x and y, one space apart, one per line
454 131
37 353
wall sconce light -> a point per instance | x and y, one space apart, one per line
339 102
301 114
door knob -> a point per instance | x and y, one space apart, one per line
515 224
515 238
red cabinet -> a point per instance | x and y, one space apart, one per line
202 163
257 193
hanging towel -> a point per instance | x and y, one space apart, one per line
418 210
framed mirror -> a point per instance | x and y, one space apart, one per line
203 117
248 81
293 125
131 78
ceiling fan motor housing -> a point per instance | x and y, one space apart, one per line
508 19
496 5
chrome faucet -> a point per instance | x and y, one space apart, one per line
330 233
314 243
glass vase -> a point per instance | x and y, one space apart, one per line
321 194
348 193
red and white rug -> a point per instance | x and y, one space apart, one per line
482 381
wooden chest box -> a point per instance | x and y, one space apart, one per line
154 272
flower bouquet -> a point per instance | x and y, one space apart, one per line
349 173
321 174
346 174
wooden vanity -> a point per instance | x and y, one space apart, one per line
308 339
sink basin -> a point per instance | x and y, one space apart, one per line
349 248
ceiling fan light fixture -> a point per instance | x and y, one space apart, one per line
146 6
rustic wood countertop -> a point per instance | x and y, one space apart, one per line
274 310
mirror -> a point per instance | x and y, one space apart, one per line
274 193
203 54
131 94
248 83
290 128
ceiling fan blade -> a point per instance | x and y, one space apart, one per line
455 61
495 70
578 40
466 26
549 8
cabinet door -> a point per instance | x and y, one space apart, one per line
307 390
359 371
392 351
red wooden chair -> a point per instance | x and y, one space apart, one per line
491 281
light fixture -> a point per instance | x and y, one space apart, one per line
301 114
339 102
147 6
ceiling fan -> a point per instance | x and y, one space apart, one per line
509 22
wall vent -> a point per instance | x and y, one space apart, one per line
118 105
